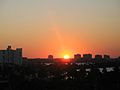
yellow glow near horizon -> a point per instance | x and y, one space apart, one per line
66 56
43 27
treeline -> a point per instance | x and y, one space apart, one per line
58 77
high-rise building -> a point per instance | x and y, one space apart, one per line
11 56
87 56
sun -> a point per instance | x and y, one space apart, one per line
66 56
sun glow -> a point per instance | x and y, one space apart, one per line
66 56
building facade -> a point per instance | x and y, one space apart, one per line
98 57
87 56
11 56
77 56
50 57
106 57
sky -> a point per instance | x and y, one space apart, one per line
58 27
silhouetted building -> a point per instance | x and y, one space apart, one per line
98 57
11 56
77 56
106 57
119 57
50 57
87 56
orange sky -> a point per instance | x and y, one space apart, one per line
61 27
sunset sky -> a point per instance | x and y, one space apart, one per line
59 27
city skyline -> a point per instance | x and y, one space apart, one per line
15 56
61 27
10 54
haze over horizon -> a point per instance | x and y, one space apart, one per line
59 27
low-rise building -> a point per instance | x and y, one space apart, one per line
98 57
77 57
87 56
106 57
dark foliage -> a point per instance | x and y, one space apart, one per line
58 77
